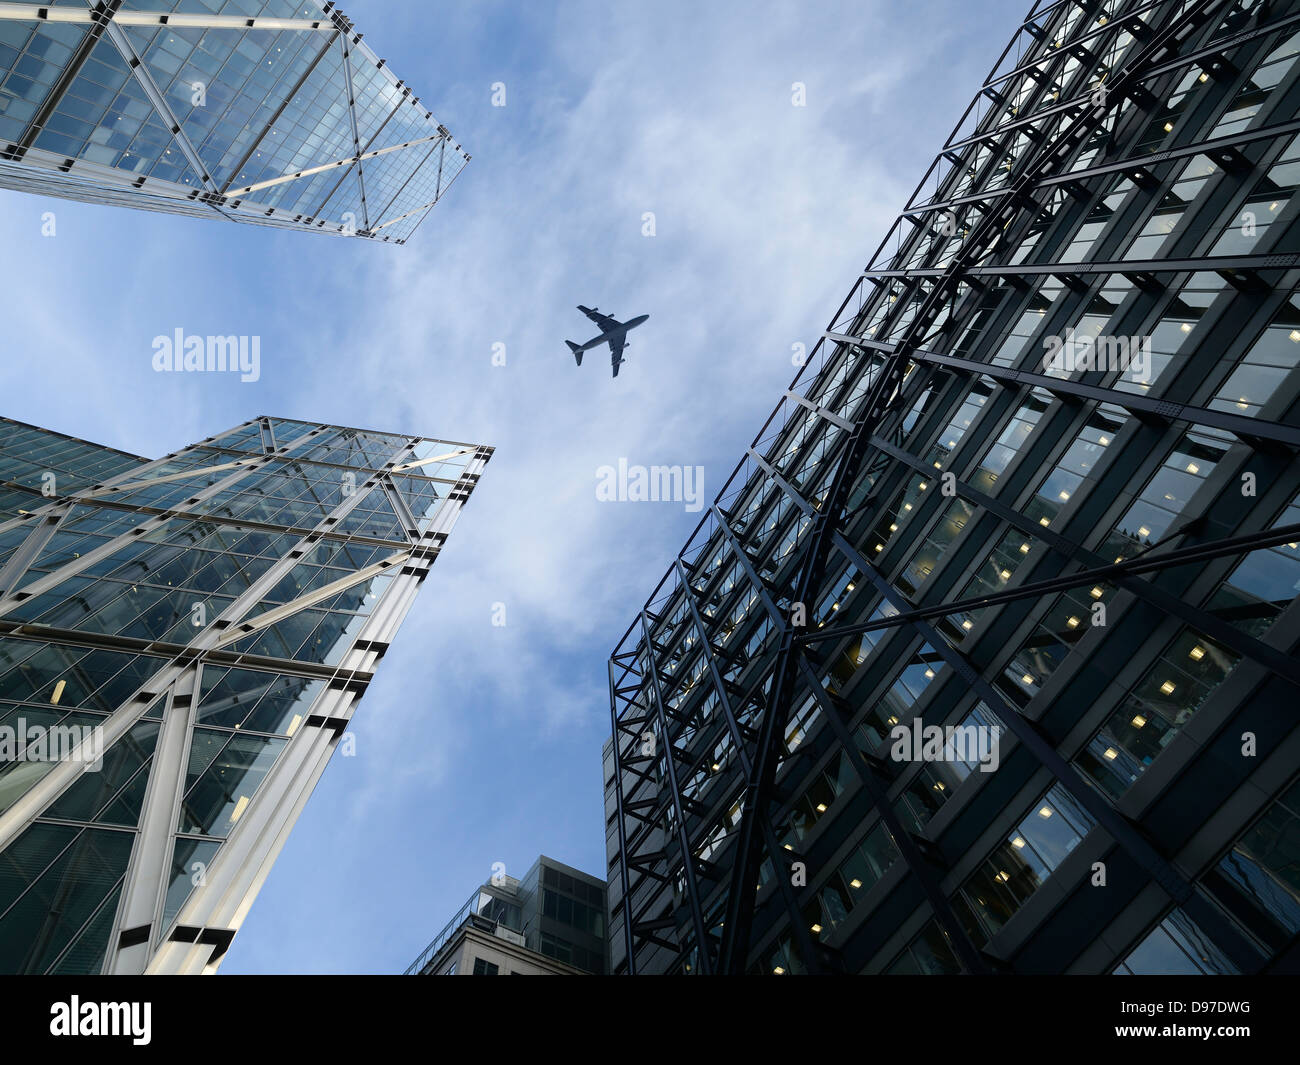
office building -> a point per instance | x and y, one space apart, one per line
552 922
183 644
1036 488
274 112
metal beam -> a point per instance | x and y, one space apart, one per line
270 123
813 556
1245 428
1205 552
158 101
1221 263
352 160
1123 831
1279 662
759 784
629 943
356 133
683 839
965 951
738 740
1210 147
98 17
78 15
962 946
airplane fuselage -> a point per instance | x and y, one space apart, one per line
615 333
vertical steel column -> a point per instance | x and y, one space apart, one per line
807 950
683 839
622 831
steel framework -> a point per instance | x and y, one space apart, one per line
1088 98
215 615
333 141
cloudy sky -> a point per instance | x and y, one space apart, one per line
478 744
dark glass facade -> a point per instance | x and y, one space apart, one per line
266 111
554 911
570 922
1036 485
196 632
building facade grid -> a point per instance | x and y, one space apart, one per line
274 112
197 632
1095 565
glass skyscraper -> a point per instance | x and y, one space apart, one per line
1035 488
183 643
266 111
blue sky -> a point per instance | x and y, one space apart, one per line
478 744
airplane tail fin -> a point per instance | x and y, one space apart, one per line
577 351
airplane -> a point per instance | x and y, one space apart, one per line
613 332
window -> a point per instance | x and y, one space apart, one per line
865 865
999 455
1245 231
1263 584
1259 878
485 968
993 574
899 510
571 954
927 955
1021 864
825 787
1040 224
1174 338
495 909
1153 514
936 782
1251 97
1079 463
924 404
572 912
989 304
1264 368
868 862
801 723
956 429
783 960
1017 341
1163 123
899 701
839 590
1041 655
1170 211
1155 709
1176 947
1078 351
1078 249
946 530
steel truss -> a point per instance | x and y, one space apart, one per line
756 718
196 939
24 166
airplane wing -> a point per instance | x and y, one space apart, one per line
603 320
616 353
